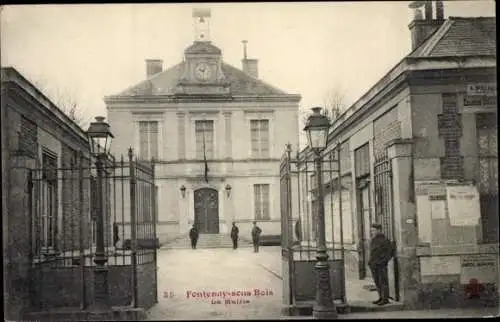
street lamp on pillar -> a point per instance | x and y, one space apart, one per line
99 137
317 133
183 191
228 190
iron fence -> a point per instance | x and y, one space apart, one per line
63 229
300 225
384 206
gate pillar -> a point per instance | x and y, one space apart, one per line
405 220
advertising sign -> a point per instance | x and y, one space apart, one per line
483 267
463 205
482 89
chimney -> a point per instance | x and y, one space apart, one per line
153 67
428 10
250 66
422 27
439 10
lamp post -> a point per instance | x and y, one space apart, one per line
317 133
100 137
228 190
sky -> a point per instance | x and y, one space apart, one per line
89 51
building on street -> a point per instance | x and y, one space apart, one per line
215 133
419 155
37 140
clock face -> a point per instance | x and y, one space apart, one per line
202 72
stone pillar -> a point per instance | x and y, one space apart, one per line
228 135
184 225
222 209
5 219
190 203
181 134
18 245
405 221
190 151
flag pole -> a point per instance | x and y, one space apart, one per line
205 154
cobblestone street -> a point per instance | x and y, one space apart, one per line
184 274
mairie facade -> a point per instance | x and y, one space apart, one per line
215 134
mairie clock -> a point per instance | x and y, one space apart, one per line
203 72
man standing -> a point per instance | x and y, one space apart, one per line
193 235
116 237
256 231
234 235
381 251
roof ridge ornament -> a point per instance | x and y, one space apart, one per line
202 23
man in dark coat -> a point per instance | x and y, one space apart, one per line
234 235
298 230
256 231
193 235
381 251
116 237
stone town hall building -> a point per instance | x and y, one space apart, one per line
205 109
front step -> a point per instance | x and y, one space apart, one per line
207 241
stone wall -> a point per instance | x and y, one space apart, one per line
67 287
445 150
305 280
450 130
146 283
385 128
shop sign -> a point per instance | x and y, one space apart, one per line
482 89
482 267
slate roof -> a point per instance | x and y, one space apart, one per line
461 36
203 47
164 83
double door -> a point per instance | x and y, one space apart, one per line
206 210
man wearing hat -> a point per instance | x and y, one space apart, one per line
256 231
381 251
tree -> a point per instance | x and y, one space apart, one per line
333 106
334 102
64 100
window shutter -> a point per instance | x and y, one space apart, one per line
257 201
143 140
265 201
153 142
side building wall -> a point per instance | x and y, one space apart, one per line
30 127
447 147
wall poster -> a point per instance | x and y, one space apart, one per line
463 205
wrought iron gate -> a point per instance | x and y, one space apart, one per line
62 224
299 225
384 208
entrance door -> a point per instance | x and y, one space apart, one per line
206 210
365 221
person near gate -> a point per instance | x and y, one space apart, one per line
234 235
381 251
193 235
256 231
116 237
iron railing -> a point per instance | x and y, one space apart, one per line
62 203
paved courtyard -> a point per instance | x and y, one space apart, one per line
191 284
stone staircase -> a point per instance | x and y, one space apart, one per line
206 241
